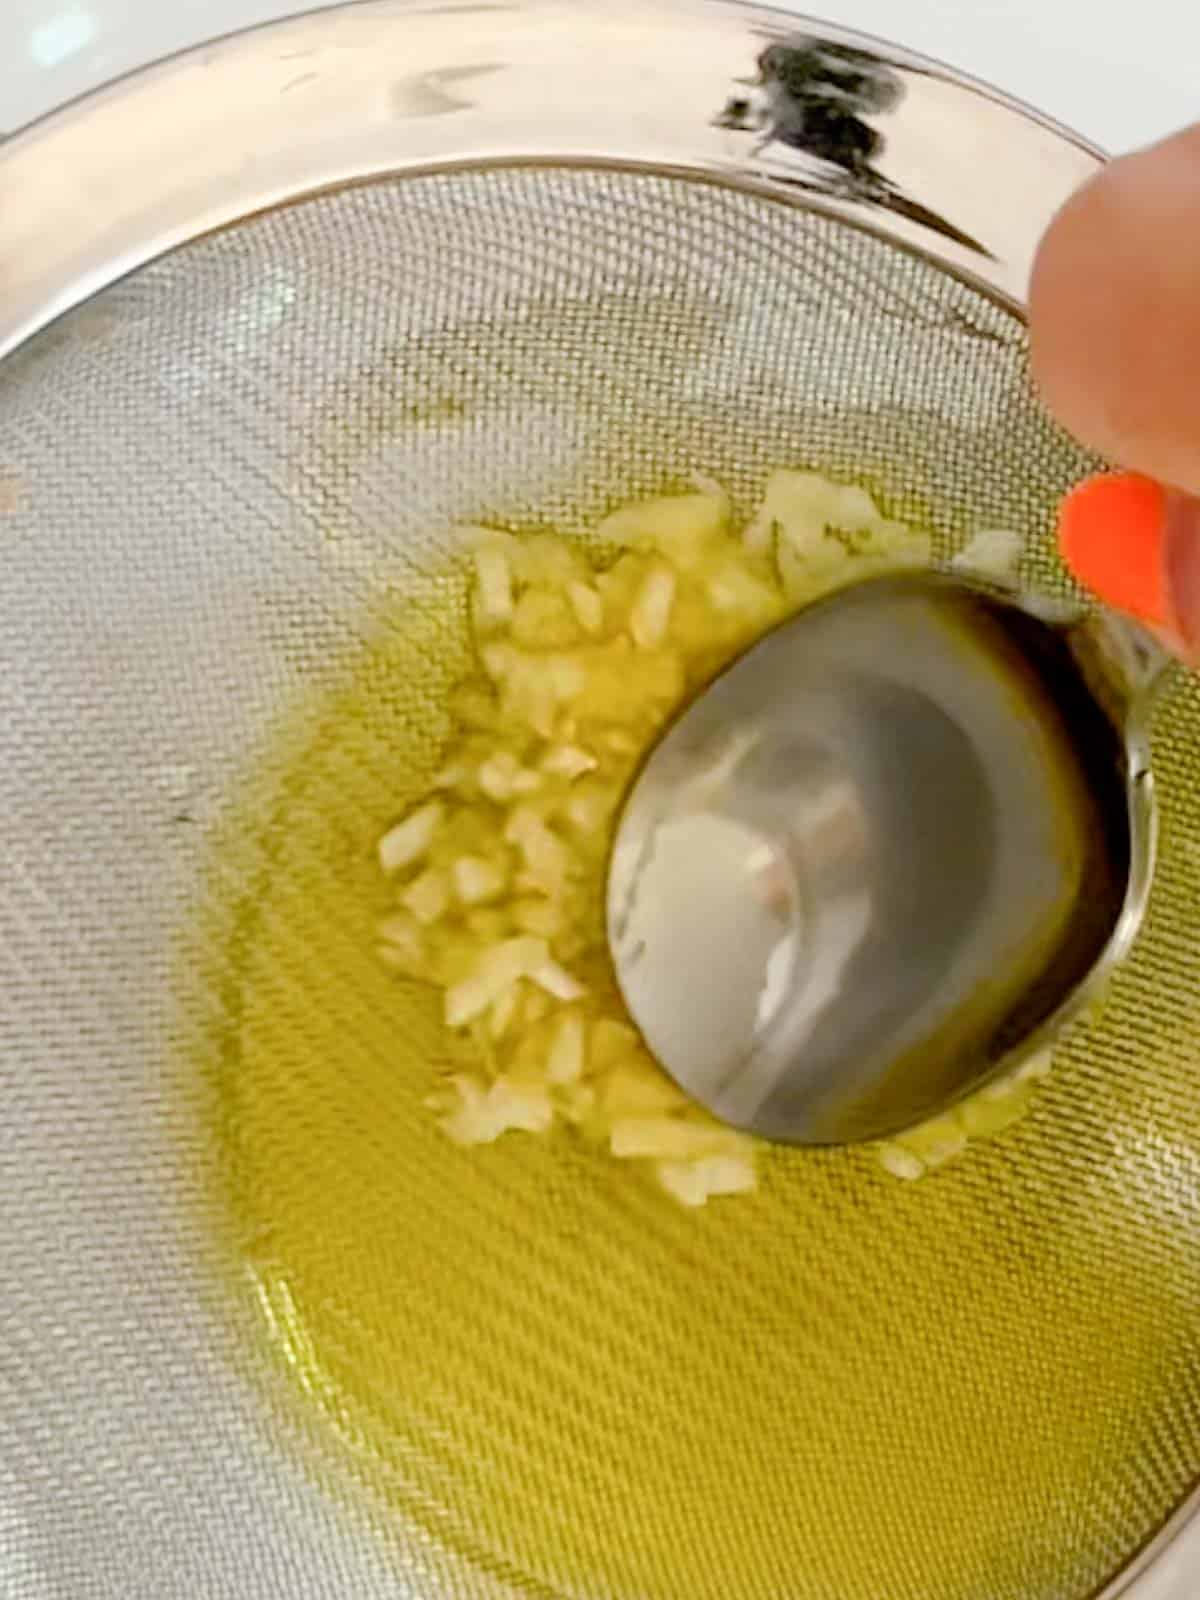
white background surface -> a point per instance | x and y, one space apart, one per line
1120 76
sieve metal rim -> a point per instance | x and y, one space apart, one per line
315 102
283 112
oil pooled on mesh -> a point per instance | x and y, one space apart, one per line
521 1374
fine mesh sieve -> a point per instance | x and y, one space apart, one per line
263 1330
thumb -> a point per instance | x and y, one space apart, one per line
1137 546
1115 333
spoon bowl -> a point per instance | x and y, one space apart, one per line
885 855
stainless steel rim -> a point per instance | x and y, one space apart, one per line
965 176
389 86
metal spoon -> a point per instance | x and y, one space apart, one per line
886 854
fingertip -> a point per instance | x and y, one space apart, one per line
1114 312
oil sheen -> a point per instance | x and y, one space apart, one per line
525 1370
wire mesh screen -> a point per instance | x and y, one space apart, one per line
263 1330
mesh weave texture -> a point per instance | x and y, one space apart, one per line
263 1331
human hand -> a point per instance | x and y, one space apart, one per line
1115 328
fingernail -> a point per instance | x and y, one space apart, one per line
1136 544
1112 536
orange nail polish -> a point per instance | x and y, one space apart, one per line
1111 531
